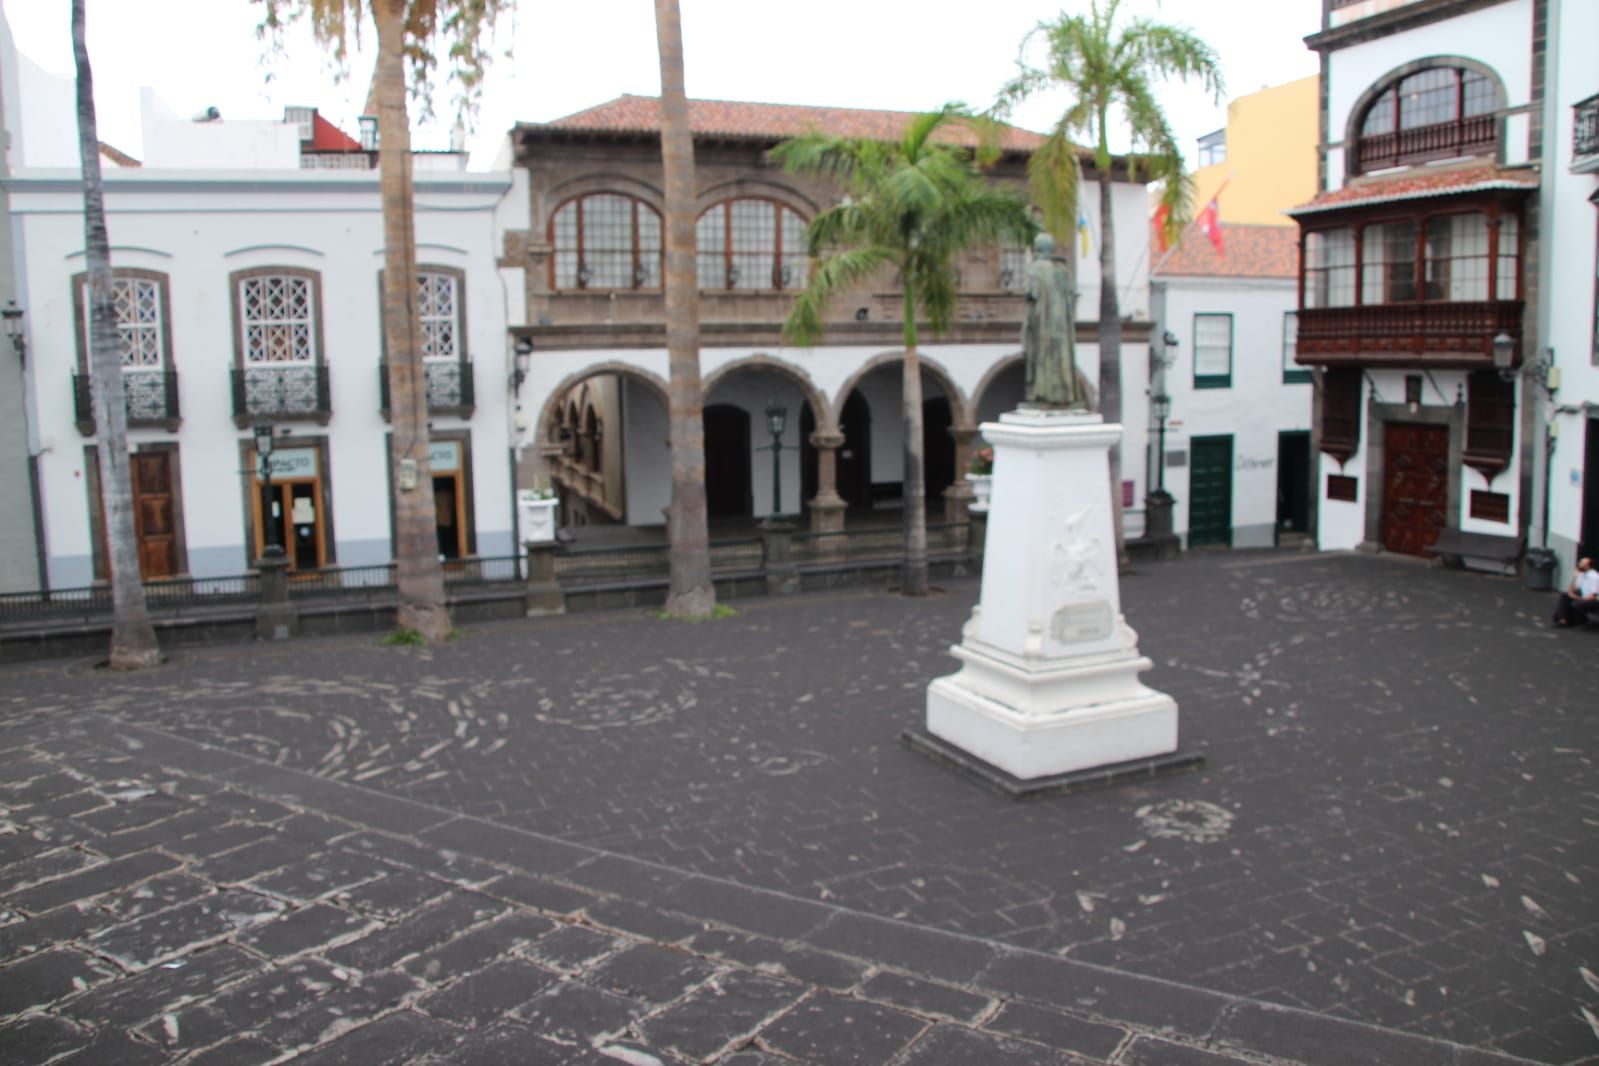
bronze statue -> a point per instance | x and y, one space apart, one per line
1049 333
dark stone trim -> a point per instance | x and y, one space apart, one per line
1409 17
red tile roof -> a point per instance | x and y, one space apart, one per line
761 122
326 137
1419 183
1251 252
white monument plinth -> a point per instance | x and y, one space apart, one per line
1049 677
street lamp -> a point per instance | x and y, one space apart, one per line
1162 407
1504 348
776 421
524 356
263 455
13 316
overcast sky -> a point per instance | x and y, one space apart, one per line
892 54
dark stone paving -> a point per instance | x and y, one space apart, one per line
340 852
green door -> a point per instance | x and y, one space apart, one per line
1210 491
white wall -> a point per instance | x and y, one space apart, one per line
1253 409
647 454
751 391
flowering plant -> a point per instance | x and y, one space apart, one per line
983 461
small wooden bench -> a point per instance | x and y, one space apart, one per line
1453 547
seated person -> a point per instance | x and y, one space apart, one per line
1580 602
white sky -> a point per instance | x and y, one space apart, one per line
572 55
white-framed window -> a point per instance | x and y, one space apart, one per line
1213 351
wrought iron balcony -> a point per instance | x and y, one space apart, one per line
150 397
1585 136
281 392
449 387
1441 335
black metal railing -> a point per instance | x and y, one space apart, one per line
162 593
449 385
1585 128
281 392
150 398
364 580
486 568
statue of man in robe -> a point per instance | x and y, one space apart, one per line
1049 333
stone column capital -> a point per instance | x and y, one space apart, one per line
830 440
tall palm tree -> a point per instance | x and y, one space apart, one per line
133 643
692 594
418 32
1108 73
913 205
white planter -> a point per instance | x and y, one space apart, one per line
982 485
538 517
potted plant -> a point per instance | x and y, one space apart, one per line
981 475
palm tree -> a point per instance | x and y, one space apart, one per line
418 31
1108 73
692 594
133 643
912 206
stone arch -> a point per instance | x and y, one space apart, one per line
757 189
549 413
959 409
820 409
1357 111
604 181
1001 367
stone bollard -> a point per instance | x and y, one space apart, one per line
777 550
544 594
1158 525
276 617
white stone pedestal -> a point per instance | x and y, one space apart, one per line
1049 681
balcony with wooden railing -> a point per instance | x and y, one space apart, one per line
149 396
1438 335
1470 135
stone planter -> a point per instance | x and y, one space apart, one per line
982 485
538 517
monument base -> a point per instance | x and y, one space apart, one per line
1049 678
1010 786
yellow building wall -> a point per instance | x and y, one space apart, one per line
1271 156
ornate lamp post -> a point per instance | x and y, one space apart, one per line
776 421
1162 408
263 456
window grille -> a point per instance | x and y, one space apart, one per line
278 317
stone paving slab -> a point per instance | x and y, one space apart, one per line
1389 852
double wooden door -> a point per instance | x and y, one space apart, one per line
1415 493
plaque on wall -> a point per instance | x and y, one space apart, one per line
1340 487
1490 506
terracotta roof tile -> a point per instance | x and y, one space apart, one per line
326 137
1252 251
1416 184
760 122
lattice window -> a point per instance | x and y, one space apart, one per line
1388 262
1430 114
750 244
1013 259
1330 268
278 314
439 301
606 241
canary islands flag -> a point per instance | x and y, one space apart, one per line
1082 230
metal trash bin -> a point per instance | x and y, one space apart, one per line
1538 569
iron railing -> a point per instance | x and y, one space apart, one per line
488 568
281 392
161 594
342 580
449 385
149 396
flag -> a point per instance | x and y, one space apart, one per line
1162 215
1210 221
1082 230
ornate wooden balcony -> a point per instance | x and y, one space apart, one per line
261 393
1464 136
1441 335
1585 136
150 396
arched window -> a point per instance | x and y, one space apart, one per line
1434 113
606 241
751 244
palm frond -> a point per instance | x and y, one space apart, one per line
841 270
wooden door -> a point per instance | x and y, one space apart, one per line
1415 490
154 514
1210 491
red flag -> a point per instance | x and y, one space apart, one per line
1162 213
1210 221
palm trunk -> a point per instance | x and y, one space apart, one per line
914 582
691 595
1110 354
420 578
133 643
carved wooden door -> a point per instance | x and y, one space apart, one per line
154 514
1415 486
